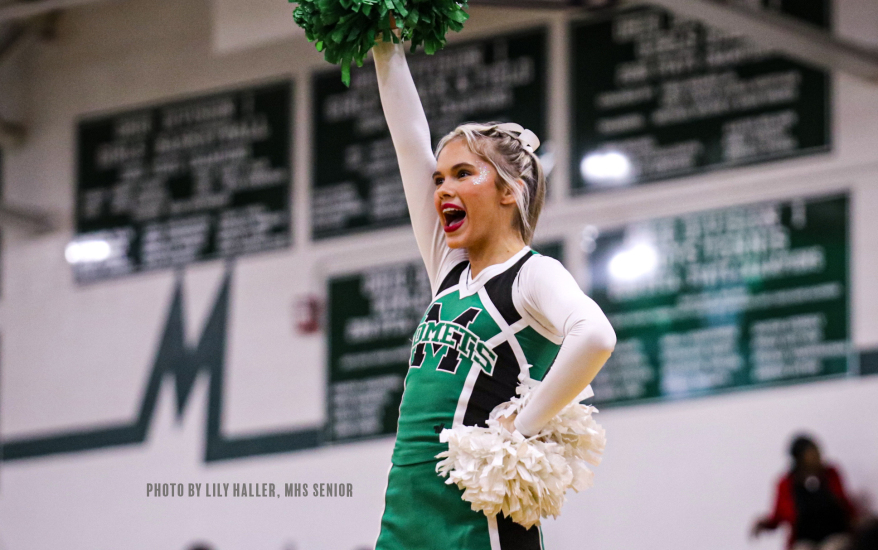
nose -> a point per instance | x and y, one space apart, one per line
444 191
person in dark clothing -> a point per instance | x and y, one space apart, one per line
866 536
812 501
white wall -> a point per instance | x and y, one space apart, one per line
689 474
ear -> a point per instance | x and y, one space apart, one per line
507 197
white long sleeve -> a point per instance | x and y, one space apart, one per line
410 133
545 291
549 294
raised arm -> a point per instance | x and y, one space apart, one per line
411 139
550 295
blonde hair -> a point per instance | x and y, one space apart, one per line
503 150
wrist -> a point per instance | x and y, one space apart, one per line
382 47
517 426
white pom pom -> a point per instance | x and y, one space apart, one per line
525 478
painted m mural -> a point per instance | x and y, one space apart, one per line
174 358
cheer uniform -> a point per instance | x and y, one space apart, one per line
478 337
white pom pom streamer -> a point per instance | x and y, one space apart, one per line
525 478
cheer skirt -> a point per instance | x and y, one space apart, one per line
421 512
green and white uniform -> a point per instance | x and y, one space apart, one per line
478 337
467 355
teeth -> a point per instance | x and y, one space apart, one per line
447 210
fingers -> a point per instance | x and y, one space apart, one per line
508 422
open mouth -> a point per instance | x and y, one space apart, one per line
454 217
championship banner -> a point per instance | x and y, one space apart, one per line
356 183
656 96
182 182
725 299
372 317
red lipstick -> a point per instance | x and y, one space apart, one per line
453 217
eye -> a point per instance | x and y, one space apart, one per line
463 173
438 181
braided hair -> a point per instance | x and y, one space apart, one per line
513 161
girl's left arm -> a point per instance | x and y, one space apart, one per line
549 293
410 133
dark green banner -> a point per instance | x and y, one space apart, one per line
357 185
657 96
724 299
372 317
191 180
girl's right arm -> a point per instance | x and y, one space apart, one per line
411 139
549 293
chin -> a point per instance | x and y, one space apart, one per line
462 238
455 242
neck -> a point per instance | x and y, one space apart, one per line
496 251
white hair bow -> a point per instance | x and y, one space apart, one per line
528 139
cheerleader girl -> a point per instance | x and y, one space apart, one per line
501 312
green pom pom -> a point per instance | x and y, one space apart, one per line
345 30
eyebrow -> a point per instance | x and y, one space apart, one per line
453 168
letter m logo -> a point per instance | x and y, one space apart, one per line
451 359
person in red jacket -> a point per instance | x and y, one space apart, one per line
810 499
